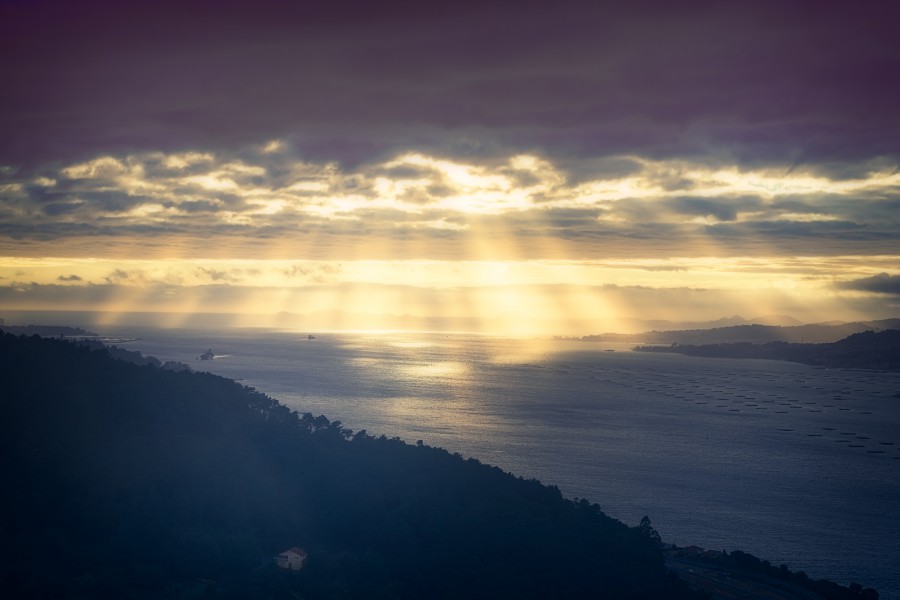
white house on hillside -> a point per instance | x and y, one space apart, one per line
291 559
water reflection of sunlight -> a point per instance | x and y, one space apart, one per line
364 361
415 344
435 369
532 350
349 346
432 420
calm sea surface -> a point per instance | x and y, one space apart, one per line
794 464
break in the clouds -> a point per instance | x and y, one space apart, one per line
282 199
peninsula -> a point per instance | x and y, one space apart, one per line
866 350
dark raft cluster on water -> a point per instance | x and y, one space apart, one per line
130 481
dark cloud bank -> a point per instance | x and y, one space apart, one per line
757 83
879 284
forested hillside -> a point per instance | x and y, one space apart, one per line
127 481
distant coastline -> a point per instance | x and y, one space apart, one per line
866 350
817 333
47 330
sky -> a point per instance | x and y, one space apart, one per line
508 167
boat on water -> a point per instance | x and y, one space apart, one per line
208 355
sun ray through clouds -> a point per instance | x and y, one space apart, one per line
516 244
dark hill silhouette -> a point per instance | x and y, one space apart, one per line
754 334
129 481
46 330
865 350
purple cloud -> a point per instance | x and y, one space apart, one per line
354 81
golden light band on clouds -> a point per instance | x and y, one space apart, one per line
732 273
508 293
416 184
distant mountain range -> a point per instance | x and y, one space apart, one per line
638 325
762 329
819 333
865 350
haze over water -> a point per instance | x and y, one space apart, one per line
794 464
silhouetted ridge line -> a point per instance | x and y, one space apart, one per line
154 483
754 333
866 350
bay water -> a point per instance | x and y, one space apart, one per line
794 464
